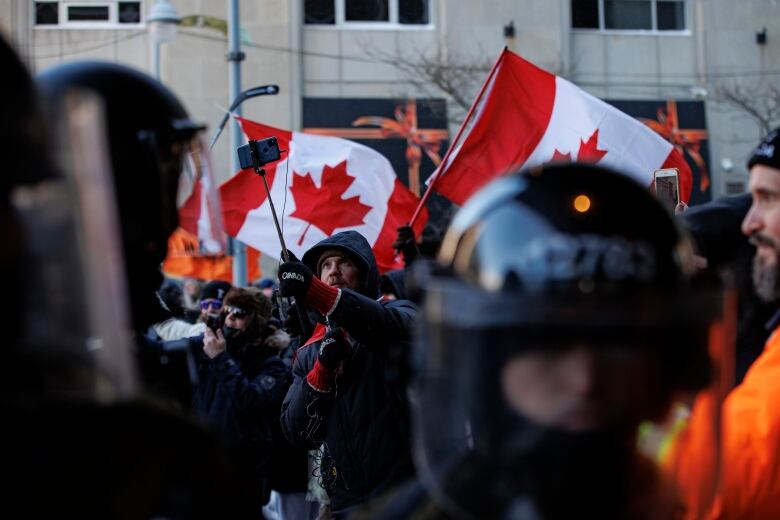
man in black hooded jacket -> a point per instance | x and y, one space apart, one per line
348 394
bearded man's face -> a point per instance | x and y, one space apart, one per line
762 225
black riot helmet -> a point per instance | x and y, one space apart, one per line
562 313
151 141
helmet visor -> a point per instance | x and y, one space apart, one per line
197 199
549 403
77 321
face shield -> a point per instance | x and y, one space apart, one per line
553 373
197 199
76 333
506 386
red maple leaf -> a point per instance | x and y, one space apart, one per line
323 207
559 157
589 150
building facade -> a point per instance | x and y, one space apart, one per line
704 72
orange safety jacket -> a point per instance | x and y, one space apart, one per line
745 482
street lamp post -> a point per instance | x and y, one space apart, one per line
235 57
162 21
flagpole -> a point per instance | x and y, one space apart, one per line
455 141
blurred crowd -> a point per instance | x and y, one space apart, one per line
568 348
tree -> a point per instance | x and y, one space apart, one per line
760 101
441 73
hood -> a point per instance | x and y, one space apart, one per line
358 248
394 282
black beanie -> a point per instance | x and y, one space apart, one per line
768 152
215 290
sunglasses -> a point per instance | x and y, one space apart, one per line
214 304
235 311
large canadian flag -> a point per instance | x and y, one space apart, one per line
321 186
525 116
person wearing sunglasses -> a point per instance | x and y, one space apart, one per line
174 327
212 298
242 382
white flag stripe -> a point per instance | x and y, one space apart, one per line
631 146
374 183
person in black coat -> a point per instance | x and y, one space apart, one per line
242 382
348 397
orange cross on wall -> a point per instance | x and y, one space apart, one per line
404 125
684 140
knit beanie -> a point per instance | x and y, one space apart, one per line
215 290
768 152
335 251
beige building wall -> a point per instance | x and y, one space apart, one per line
193 65
719 46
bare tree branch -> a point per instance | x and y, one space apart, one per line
761 101
438 74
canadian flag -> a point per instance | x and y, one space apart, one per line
321 186
525 116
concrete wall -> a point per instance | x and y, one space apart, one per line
193 65
734 58
718 48
347 62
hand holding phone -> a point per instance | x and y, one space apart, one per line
213 343
214 322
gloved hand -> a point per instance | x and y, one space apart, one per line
291 256
333 349
406 243
294 279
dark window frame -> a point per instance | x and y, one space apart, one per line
580 17
416 16
90 13
125 3
55 5
111 21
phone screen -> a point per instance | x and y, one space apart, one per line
667 188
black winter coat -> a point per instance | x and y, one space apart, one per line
240 393
363 425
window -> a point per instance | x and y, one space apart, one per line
363 13
585 14
413 12
366 11
319 12
129 12
46 13
87 15
630 15
671 16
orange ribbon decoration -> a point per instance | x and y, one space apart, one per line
684 140
404 125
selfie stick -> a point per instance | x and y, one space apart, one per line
265 90
261 173
305 329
